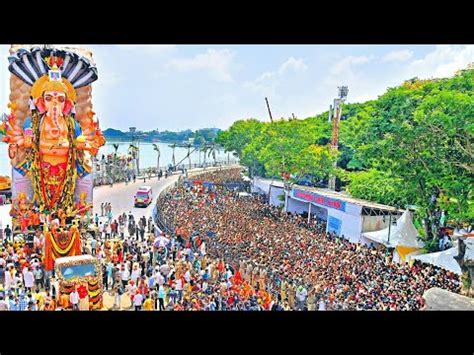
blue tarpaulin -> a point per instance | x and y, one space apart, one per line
208 185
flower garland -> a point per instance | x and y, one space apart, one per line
65 200
55 249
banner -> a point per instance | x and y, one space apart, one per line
84 184
21 183
334 225
319 199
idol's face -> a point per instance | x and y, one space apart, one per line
54 102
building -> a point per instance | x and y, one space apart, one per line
132 129
344 215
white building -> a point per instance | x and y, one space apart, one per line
344 215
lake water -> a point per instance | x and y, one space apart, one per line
148 156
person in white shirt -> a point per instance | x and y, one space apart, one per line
125 275
165 270
322 306
9 276
102 230
160 280
202 248
108 231
137 301
179 288
187 276
135 273
301 294
3 304
74 299
28 279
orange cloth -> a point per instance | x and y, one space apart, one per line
64 301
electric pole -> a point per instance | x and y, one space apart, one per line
269 112
336 117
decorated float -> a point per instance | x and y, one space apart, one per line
83 272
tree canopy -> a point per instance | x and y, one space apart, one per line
411 146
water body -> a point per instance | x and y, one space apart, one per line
148 156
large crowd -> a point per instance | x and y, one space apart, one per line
222 250
297 263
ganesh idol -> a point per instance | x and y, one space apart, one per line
54 149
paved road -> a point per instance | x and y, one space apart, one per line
121 196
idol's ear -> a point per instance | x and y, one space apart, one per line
68 105
39 103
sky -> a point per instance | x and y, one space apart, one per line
180 87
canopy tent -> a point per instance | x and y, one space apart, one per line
403 236
443 259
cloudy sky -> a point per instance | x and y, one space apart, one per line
180 87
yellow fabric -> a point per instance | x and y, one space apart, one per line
148 304
404 251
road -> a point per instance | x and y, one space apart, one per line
121 196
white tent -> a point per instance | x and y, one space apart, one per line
443 259
403 234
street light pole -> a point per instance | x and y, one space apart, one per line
343 91
389 226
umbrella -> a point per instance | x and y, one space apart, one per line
161 241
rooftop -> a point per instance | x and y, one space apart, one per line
343 196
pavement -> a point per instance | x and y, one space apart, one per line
121 196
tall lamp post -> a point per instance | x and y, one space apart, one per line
336 117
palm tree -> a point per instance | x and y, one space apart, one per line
133 150
173 146
212 150
157 149
204 149
189 146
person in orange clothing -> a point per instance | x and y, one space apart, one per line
49 305
34 220
64 301
149 304
237 278
221 267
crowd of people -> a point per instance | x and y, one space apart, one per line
223 251
297 263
